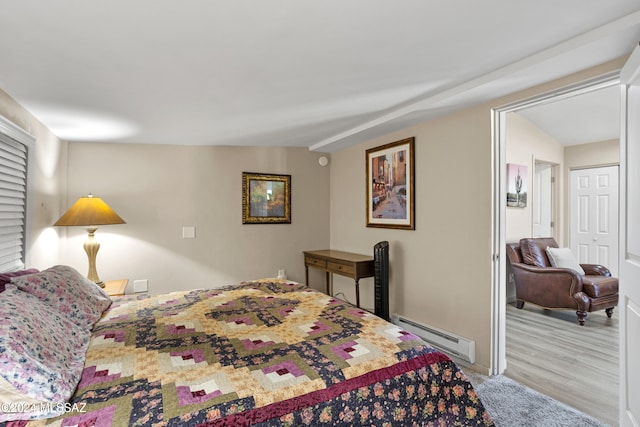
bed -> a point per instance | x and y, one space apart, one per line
265 352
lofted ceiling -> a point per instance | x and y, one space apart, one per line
319 74
581 119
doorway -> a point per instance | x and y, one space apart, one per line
498 362
559 212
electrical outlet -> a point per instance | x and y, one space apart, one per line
140 286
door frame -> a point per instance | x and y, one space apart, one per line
498 359
553 196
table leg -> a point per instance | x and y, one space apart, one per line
358 293
306 275
329 283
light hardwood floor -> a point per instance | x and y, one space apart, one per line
578 365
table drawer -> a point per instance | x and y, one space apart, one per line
315 262
346 270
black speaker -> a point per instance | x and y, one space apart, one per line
381 279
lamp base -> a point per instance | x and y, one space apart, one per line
91 247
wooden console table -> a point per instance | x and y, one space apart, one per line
346 264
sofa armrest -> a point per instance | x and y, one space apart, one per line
546 286
595 270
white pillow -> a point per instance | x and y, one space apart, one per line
563 258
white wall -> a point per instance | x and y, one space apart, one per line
47 180
158 189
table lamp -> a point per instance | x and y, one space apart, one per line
90 212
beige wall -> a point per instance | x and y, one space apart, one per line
47 186
526 143
604 153
158 189
441 273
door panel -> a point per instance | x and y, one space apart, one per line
543 200
594 216
630 243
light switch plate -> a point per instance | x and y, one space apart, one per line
188 232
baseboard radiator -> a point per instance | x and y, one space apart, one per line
455 345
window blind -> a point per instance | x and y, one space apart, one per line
13 197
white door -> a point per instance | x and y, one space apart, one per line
630 243
593 225
543 200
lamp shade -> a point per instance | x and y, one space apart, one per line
89 211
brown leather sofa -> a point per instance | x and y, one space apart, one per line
539 283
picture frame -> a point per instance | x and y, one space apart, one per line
390 172
517 176
266 198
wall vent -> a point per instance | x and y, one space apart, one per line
455 345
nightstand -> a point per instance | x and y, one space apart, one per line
115 287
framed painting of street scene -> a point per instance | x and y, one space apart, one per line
266 198
390 189
517 185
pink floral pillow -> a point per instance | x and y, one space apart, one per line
41 356
6 277
70 293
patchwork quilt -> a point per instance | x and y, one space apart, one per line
267 353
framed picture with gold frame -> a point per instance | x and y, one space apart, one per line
266 198
390 185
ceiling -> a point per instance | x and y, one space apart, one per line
581 119
319 74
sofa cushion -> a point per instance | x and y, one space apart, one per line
534 250
599 286
563 258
